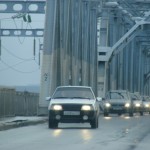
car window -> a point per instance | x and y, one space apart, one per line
73 92
135 97
117 95
145 98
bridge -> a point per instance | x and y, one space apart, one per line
104 44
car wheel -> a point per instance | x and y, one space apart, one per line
106 114
119 114
141 113
131 114
52 124
94 123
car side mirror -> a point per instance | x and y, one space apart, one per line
99 99
133 99
48 98
103 99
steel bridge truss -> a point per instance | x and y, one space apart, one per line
99 43
124 53
21 8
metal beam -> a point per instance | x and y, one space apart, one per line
124 40
21 6
22 32
147 76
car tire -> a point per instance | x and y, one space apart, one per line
94 123
141 113
52 124
106 114
131 114
119 114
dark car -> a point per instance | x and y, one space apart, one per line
146 103
117 102
73 104
137 103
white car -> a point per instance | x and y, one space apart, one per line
146 103
137 103
73 104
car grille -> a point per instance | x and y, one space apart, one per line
117 105
71 107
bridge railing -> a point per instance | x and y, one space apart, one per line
14 103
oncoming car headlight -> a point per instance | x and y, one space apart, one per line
146 105
107 104
137 105
86 108
57 107
127 105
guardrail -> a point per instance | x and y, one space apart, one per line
14 103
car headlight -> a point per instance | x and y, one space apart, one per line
127 105
146 105
107 104
137 105
86 108
57 107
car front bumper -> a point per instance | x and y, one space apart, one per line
72 116
116 110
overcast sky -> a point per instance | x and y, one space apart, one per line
17 63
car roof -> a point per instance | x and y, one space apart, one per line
74 86
117 91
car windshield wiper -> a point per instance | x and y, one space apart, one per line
82 97
60 97
121 95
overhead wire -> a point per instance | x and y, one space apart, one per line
21 42
12 67
20 58
34 53
14 54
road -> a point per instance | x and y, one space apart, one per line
117 133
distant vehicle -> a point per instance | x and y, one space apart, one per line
117 102
137 103
146 103
73 104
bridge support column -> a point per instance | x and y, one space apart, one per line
70 50
48 73
103 65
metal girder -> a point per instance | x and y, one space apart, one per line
147 76
143 39
123 41
22 32
136 7
22 6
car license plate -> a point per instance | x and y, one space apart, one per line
117 108
72 113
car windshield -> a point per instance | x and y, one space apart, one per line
145 98
117 95
73 92
135 97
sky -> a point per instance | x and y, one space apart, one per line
18 66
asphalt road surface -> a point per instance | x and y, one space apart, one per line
117 133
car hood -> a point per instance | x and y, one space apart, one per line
146 102
137 101
72 101
118 101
